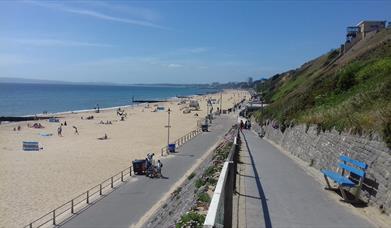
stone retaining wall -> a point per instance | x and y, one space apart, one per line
322 149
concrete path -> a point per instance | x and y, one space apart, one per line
278 193
128 204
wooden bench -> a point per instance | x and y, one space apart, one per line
30 146
344 180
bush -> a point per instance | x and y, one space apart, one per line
191 219
191 176
204 197
199 183
210 171
346 81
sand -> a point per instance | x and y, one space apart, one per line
34 183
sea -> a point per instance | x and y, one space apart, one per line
20 99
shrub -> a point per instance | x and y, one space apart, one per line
204 197
191 176
199 183
346 81
191 219
210 171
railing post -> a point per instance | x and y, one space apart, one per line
72 210
88 197
54 217
100 189
112 182
130 170
122 176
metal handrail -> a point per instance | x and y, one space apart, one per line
180 141
85 196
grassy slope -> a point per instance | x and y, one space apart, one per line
354 92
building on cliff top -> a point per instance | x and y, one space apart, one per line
362 30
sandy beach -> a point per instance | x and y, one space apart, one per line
33 183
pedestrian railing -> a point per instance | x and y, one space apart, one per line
76 204
220 208
182 140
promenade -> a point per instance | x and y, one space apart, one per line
275 192
131 201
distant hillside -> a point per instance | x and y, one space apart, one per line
349 92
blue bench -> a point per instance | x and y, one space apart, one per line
344 181
30 146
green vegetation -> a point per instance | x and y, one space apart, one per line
191 176
352 93
199 183
204 197
176 192
191 219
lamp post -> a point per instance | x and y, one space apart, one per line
168 127
221 101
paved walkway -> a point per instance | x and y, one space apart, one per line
278 193
128 204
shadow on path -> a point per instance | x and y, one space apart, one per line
265 208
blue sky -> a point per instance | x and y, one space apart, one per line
171 41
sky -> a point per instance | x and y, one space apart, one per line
171 41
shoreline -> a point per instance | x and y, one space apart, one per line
164 100
71 162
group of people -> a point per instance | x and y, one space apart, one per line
59 129
107 122
35 125
245 125
18 128
151 169
87 118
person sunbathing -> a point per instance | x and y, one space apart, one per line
104 137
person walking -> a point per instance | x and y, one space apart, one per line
159 167
76 131
59 131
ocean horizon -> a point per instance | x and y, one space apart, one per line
22 99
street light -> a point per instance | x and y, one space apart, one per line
168 127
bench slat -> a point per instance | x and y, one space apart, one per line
352 170
354 162
30 143
30 146
341 180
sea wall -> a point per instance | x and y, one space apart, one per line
322 149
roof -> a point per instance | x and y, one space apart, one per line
361 22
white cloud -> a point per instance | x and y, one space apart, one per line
57 43
137 12
98 15
174 65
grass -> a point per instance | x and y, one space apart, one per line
355 96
